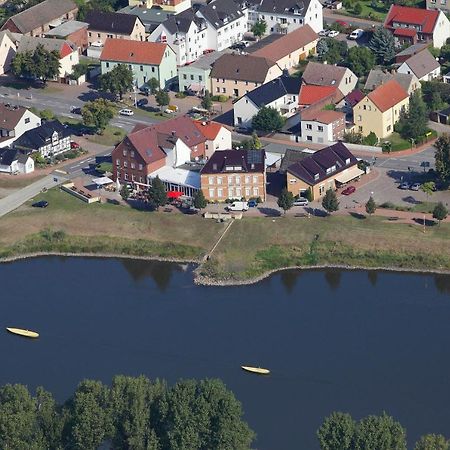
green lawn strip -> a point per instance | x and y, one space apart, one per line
255 246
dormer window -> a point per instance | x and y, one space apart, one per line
214 166
316 177
347 161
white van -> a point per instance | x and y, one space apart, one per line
237 206
356 34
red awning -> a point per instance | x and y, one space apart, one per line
174 194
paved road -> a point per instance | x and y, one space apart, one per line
16 199
330 16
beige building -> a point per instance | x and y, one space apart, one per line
234 174
287 50
104 25
325 169
380 110
174 6
235 75
7 51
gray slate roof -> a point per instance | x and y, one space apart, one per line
9 155
412 50
422 63
323 74
183 21
29 43
377 77
38 137
111 22
150 17
319 162
277 88
67 28
250 161
41 14
221 12
284 6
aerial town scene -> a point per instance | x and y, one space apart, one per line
224 224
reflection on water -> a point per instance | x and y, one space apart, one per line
159 271
289 279
442 283
373 277
333 278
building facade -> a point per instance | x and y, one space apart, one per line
323 127
15 120
7 51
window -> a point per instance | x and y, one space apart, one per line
238 179
316 177
192 77
388 128
219 193
309 138
247 180
211 180
141 166
200 78
224 90
230 181
256 192
124 153
217 89
347 161
133 165
27 120
359 118
211 193
308 126
90 34
184 76
125 164
153 69
107 65
255 179
219 180
117 162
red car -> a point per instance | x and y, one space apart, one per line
349 190
342 23
74 145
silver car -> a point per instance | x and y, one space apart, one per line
415 186
301 201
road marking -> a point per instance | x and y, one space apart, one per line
60 171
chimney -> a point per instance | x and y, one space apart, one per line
174 133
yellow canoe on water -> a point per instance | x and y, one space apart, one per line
22 332
257 370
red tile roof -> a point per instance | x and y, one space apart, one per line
388 95
313 94
412 16
209 129
138 52
325 117
408 32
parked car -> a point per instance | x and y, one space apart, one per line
301 201
75 110
237 206
252 203
324 33
356 34
126 112
142 102
342 23
74 145
404 185
40 204
333 33
415 186
242 130
349 190
144 90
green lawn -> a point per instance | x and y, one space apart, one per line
397 142
375 10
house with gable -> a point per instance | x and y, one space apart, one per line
13 162
322 127
415 25
380 109
317 74
40 18
145 59
325 169
14 121
236 75
112 25
284 16
281 93
217 137
7 51
377 77
422 65
172 6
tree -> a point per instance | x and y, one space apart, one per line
379 432
322 49
440 212
337 51
428 187
153 85
157 193
309 195
330 201
268 119
162 98
371 206
432 442
256 142
97 114
125 192
47 114
40 63
207 101
117 81
357 9
382 45
78 71
285 200
442 157
200 200
360 60
413 122
259 28
48 419
336 432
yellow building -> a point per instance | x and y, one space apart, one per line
380 110
325 169
235 75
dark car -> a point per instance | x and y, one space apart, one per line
40 204
252 203
142 102
405 185
75 110
144 90
349 190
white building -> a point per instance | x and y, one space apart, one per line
14 121
284 16
7 51
280 93
322 127
217 137
422 65
14 162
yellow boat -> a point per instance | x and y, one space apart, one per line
258 370
21 332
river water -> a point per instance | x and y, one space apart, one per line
354 341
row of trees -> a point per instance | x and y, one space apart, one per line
340 431
134 413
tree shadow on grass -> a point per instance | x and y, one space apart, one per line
428 223
269 212
358 215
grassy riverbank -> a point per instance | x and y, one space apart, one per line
251 247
